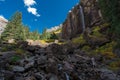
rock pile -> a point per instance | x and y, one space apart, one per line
52 63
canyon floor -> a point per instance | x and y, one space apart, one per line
54 62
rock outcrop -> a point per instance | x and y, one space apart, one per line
3 23
54 28
85 14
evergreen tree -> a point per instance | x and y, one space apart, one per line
14 28
111 13
53 36
36 35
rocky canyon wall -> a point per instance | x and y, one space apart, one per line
85 14
3 23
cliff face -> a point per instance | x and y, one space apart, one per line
85 14
3 23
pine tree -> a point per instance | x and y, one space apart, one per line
36 35
14 28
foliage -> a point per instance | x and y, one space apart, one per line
4 49
114 65
111 13
48 35
34 35
8 47
86 48
106 50
15 58
53 36
79 40
96 32
16 30
13 28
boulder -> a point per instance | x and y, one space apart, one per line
11 41
18 69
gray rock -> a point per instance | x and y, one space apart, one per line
39 76
53 77
117 52
31 64
30 78
42 60
18 69
108 75
6 75
19 78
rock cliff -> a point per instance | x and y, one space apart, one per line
3 23
85 14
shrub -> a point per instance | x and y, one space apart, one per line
15 59
79 40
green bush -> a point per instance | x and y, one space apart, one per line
15 58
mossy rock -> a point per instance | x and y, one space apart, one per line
20 51
79 40
95 32
115 65
4 49
86 48
106 50
15 58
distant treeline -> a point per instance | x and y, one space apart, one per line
15 29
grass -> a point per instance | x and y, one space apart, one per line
115 65
79 40
106 50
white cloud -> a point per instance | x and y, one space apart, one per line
30 9
29 2
33 11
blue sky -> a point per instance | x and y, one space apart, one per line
38 14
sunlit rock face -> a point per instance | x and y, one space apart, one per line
85 14
3 23
52 29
